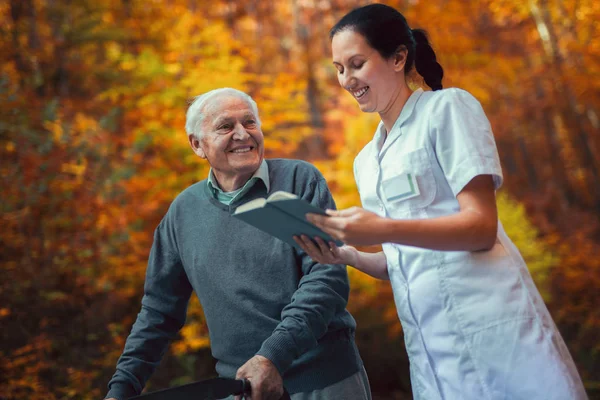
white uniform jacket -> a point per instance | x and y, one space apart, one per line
475 325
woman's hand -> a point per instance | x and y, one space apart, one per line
354 226
373 264
325 253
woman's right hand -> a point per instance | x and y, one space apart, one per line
325 253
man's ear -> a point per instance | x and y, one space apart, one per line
400 58
196 146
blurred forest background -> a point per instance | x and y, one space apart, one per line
93 96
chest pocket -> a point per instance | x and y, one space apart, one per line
410 185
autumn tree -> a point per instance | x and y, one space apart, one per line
92 151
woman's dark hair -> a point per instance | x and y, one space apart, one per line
386 30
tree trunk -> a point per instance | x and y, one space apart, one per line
569 106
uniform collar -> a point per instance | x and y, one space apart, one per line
383 140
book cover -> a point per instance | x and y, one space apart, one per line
282 215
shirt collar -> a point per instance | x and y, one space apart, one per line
409 107
261 173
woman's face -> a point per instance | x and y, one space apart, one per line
373 81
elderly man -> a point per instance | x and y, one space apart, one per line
275 316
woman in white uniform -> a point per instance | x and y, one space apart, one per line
475 324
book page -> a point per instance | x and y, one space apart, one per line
251 205
281 195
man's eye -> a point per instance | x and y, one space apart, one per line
251 122
225 127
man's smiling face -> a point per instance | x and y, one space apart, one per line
231 141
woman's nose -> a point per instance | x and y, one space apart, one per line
346 80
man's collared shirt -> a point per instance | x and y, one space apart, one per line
227 198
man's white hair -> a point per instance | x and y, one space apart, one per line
195 113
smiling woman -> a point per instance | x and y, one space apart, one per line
364 73
370 57
226 132
475 325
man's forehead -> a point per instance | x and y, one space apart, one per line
227 105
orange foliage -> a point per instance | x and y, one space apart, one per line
92 151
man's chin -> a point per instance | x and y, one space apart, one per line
247 167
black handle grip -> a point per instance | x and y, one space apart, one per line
285 395
247 389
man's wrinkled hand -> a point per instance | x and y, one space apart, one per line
265 380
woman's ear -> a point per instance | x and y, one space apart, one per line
400 58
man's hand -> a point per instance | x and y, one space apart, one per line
265 381
324 253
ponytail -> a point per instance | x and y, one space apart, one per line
426 62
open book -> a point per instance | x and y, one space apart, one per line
282 215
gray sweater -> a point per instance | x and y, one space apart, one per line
259 294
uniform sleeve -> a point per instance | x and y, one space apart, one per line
322 294
166 294
463 140
355 169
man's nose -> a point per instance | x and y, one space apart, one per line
239 132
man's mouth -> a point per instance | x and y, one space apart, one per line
244 149
360 92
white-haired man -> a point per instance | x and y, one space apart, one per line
275 316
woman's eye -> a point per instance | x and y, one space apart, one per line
358 66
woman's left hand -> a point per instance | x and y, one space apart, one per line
353 226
